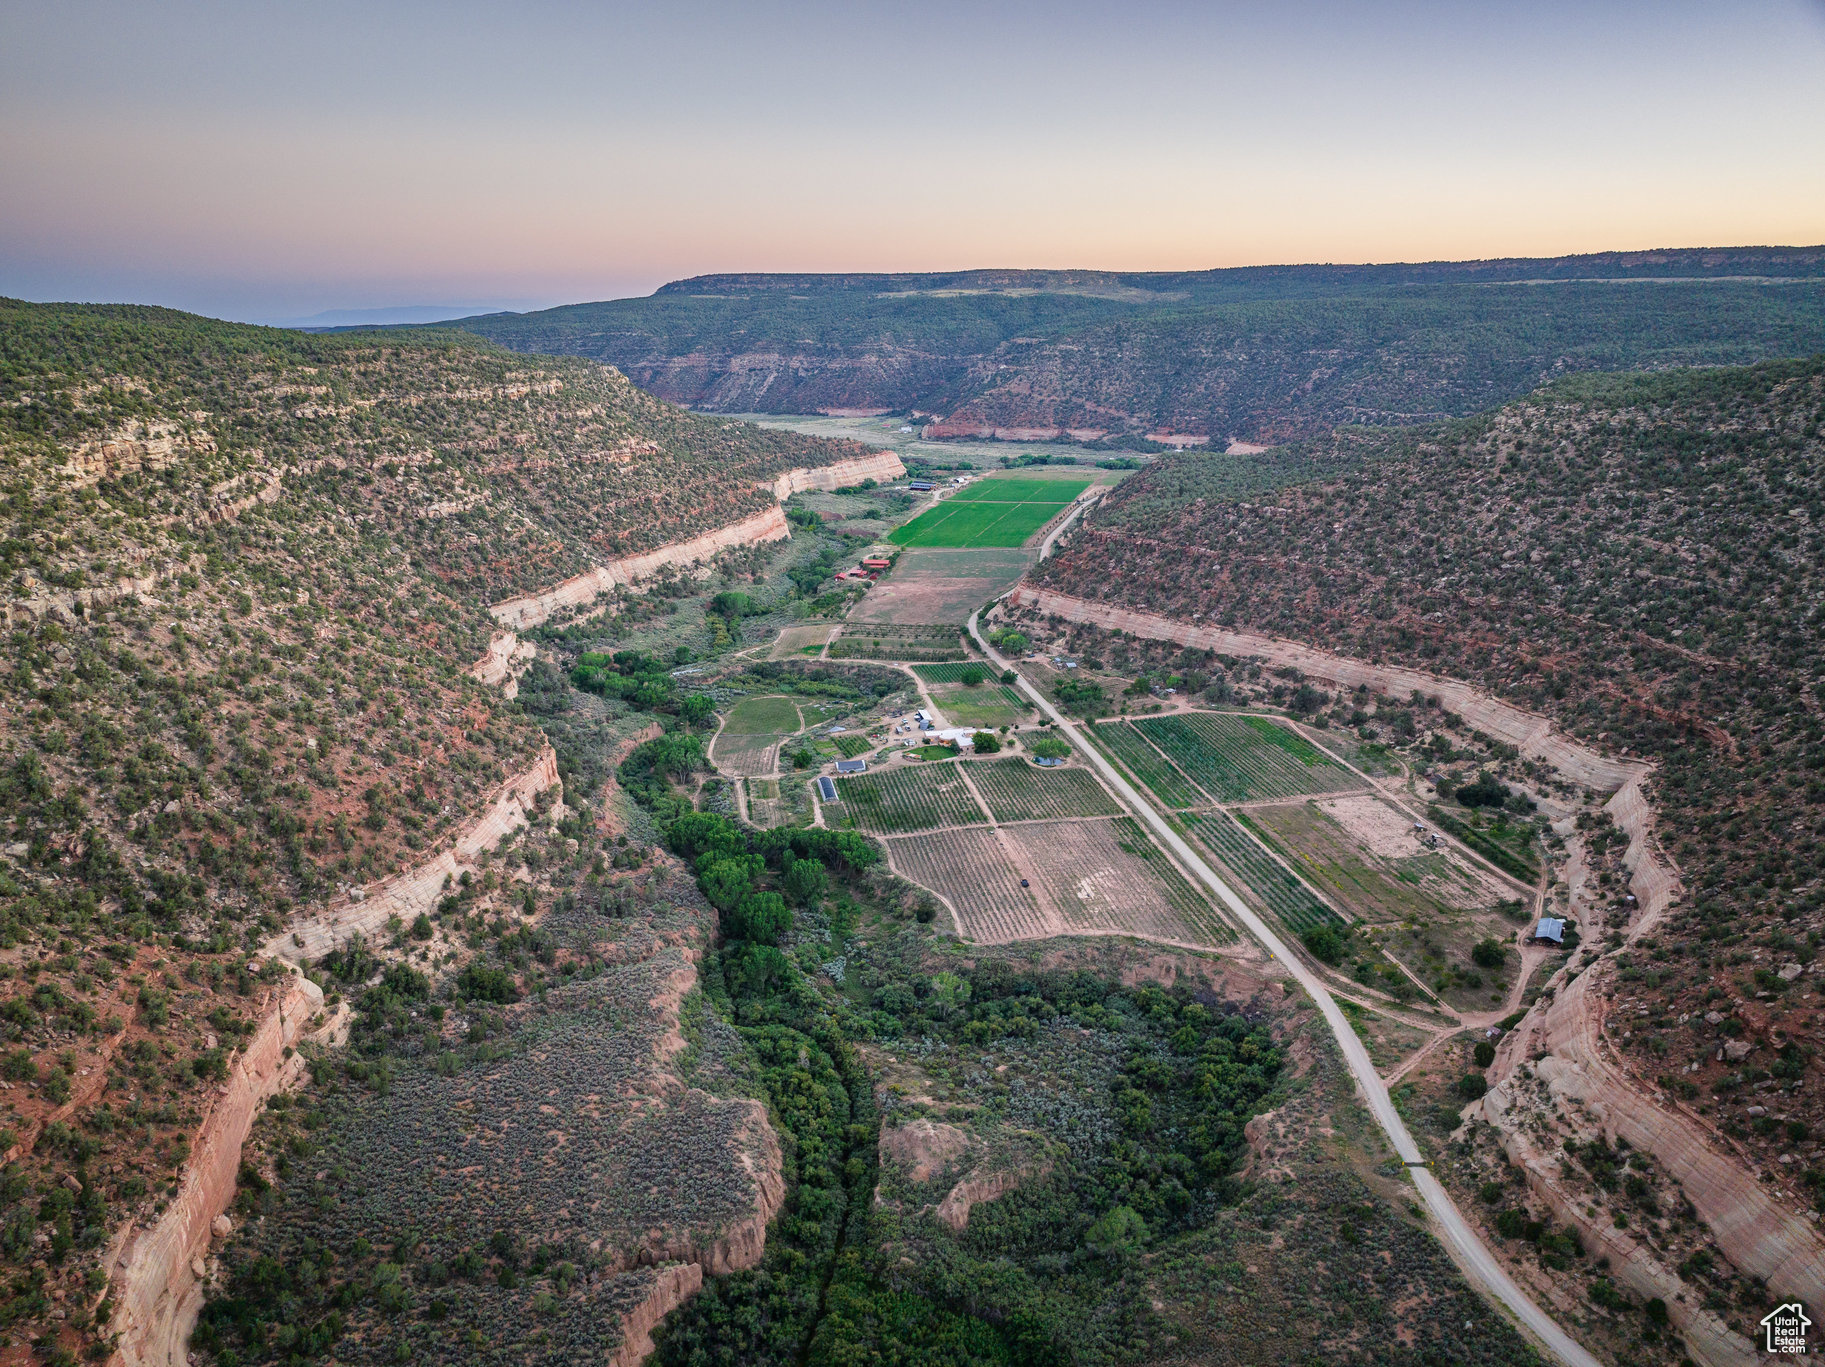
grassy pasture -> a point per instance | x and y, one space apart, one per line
992 512
1021 489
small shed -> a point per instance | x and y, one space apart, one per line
826 789
920 486
852 766
1550 930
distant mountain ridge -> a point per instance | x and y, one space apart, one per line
1261 353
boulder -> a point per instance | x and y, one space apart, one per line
221 1227
1737 1050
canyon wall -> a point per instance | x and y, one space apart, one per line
880 466
1533 735
1553 1073
672 1287
417 890
582 590
157 1271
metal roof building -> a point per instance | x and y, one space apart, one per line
1550 929
825 788
852 766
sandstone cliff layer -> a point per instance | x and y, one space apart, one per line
415 891
157 1270
582 590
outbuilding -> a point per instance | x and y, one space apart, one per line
852 766
1550 930
825 788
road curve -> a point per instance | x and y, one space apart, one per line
1469 1251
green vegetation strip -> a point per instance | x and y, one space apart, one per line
1494 851
1284 895
953 673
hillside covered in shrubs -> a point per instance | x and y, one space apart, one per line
1260 353
1638 557
244 575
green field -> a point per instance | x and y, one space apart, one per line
771 716
994 512
1015 790
1147 764
1283 894
1020 489
1242 759
910 799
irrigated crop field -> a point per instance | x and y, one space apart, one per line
906 798
763 716
993 512
951 673
1015 790
1096 885
939 586
898 641
971 871
1272 885
751 734
1147 764
986 707
1243 759
1372 886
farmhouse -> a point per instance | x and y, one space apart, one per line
876 562
826 789
852 766
1550 930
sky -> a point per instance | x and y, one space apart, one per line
267 161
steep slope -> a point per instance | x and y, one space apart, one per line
1258 352
248 575
1637 558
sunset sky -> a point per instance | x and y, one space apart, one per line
266 161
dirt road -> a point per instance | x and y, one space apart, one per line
1470 1253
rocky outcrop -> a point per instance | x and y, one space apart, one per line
879 466
954 1210
157 1269
671 1288
1529 732
507 655
407 895
582 590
